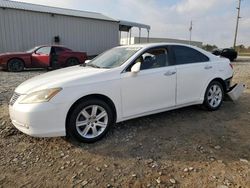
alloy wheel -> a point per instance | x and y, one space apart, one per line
215 96
91 121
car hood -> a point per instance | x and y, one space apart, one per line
13 53
61 78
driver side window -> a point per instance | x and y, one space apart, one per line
154 58
44 50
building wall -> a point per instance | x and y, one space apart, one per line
135 40
21 30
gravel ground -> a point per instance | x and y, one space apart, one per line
188 147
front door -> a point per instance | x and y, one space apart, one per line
153 88
41 57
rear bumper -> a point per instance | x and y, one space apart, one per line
235 91
228 83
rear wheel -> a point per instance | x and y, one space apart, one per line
89 120
72 61
15 65
214 96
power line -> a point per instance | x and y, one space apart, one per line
237 24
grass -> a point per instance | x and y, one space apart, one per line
244 54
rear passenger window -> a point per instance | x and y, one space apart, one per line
58 50
186 55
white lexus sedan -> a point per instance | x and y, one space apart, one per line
123 83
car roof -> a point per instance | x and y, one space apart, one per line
150 45
52 45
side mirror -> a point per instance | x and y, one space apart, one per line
37 53
87 61
136 67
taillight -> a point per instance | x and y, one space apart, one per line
231 65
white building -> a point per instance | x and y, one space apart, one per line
24 25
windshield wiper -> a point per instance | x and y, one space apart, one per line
92 65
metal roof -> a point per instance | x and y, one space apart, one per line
133 24
53 10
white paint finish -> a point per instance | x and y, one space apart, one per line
35 116
21 30
147 92
190 78
236 92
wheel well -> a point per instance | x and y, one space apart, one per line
222 82
94 96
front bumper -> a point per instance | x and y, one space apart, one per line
3 64
38 120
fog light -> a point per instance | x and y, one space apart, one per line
20 124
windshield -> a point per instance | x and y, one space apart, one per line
32 49
114 57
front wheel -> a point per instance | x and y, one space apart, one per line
89 120
214 96
15 65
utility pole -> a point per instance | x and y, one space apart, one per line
190 32
237 24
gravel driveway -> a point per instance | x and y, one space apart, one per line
188 147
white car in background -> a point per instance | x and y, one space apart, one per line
123 83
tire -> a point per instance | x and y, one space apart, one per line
15 65
72 61
90 128
214 96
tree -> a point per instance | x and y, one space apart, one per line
209 47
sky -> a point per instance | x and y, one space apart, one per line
213 20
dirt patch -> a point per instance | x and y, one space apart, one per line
188 147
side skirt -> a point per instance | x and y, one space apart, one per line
158 111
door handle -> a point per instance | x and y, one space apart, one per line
169 73
208 67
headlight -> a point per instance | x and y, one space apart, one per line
40 96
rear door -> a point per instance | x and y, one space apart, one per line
41 57
193 72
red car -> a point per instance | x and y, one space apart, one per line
41 57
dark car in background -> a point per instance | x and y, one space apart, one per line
50 56
229 53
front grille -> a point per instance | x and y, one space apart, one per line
13 99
